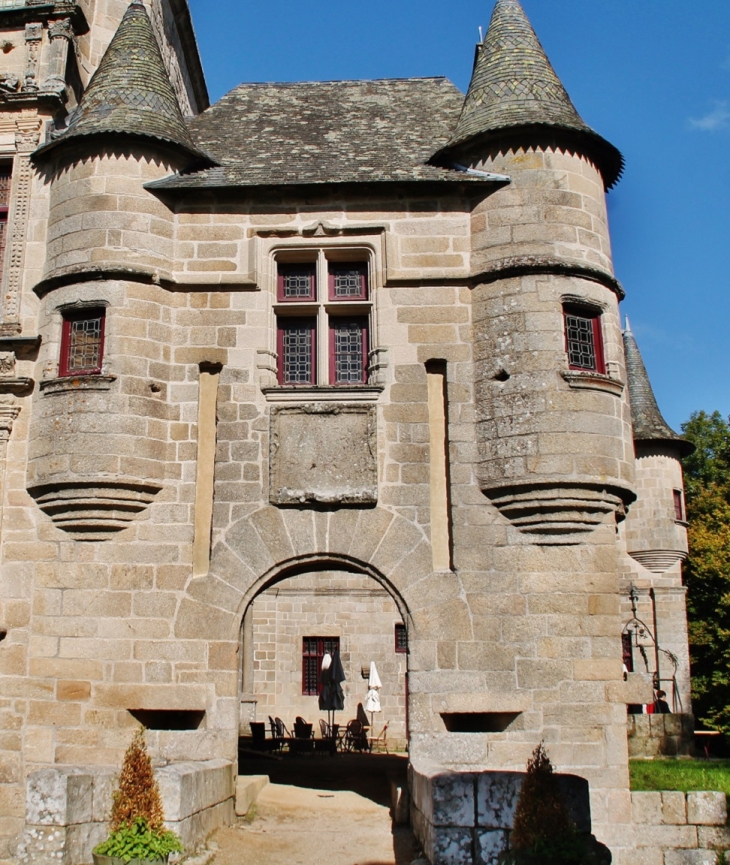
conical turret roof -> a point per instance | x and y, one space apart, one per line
130 93
514 85
649 425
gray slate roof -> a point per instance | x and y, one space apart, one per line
514 85
326 132
130 93
648 423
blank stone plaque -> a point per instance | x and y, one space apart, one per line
323 453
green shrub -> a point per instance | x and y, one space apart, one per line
137 828
139 841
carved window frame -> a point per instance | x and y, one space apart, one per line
321 310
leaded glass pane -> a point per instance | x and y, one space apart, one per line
349 360
84 345
581 343
298 283
311 675
5 181
347 281
297 354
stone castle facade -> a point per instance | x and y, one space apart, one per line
323 361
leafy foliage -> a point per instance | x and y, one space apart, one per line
707 572
139 841
138 794
137 818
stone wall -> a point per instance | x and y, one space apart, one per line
327 604
465 818
672 828
661 735
67 808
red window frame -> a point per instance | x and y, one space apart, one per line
678 506
596 331
401 638
284 323
6 176
362 322
64 370
313 651
284 270
361 267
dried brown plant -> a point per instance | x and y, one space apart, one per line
541 815
138 794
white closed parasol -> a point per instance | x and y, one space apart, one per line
372 700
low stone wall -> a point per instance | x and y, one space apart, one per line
678 829
464 818
67 808
661 735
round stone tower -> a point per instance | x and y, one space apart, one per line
656 529
553 418
99 433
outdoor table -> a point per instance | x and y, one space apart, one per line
706 739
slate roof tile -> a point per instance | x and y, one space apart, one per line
649 425
130 93
326 132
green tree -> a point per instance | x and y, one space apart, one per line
707 572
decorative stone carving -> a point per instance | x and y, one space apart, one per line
323 453
94 511
33 37
8 413
7 364
9 82
658 561
27 135
60 34
553 512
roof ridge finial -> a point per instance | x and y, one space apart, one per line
627 329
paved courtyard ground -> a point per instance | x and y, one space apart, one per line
298 826
320 811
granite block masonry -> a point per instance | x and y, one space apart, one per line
347 375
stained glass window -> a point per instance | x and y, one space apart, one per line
322 313
82 345
5 179
349 350
296 351
348 281
313 651
583 341
297 282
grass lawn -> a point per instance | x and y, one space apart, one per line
684 775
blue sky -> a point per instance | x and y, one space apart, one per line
652 77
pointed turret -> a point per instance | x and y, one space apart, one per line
649 425
514 86
130 94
